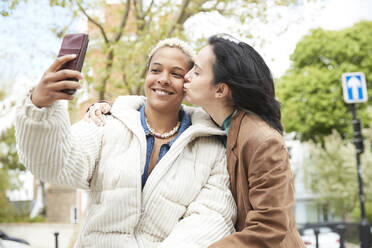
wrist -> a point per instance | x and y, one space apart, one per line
32 98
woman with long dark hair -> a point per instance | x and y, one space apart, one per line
231 81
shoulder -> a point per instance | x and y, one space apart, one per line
260 146
210 142
255 131
205 141
198 116
254 138
133 102
201 123
207 151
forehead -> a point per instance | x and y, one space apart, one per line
205 57
171 56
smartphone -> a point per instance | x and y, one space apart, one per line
73 44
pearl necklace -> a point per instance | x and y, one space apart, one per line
164 135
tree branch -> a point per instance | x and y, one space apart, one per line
213 8
100 27
137 9
149 8
180 19
109 63
123 22
125 82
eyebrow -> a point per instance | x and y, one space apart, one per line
178 68
198 66
174 67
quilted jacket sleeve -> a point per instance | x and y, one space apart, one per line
211 216
53 150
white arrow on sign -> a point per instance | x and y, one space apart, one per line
354 83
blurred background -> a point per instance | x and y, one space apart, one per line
308 44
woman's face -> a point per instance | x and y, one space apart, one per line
199 87
165 78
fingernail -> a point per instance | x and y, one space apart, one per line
73 55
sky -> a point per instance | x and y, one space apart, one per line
27 47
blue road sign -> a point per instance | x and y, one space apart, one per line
354 87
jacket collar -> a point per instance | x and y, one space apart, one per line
234 129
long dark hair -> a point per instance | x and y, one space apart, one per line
249 78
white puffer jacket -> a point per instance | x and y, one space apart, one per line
186 201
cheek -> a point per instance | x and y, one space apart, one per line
148 80
147 85
196 84
179 83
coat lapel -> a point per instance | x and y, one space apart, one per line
232 160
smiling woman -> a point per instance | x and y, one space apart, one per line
156 172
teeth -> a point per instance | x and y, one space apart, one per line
162 92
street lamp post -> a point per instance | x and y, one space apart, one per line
355 91
364 233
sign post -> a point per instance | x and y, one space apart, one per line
355 91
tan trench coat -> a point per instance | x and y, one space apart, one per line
262 185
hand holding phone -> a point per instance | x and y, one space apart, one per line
61 85
53 81
73 44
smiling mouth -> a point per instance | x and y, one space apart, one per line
162 92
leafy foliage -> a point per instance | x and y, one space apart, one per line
331 173
9 165
8 5
8 151
311 91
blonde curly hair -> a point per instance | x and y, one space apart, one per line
173 42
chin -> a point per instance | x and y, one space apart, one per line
187 99
164 106
190 100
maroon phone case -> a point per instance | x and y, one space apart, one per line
74 44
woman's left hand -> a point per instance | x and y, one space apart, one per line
97 112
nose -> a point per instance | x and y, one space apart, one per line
187 77
164 78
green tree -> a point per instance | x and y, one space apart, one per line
331 173
8 151
311 91
9 166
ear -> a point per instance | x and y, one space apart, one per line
223 91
